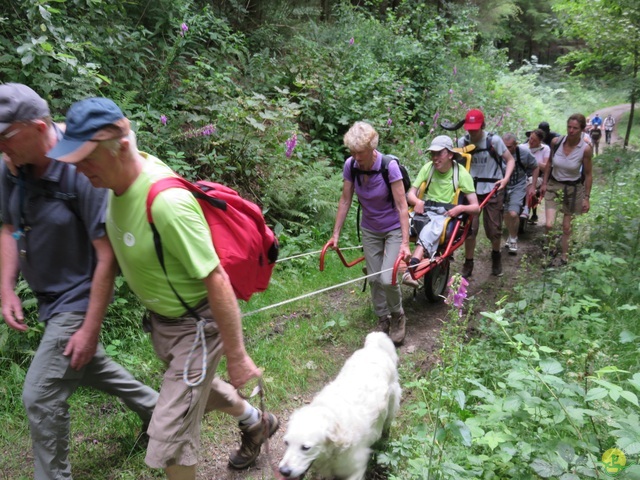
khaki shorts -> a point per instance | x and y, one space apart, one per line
174 431
491 217
572 197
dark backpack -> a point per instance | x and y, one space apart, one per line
247 248
384 170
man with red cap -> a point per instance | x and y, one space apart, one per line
491 165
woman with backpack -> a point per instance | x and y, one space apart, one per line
568 177
378 182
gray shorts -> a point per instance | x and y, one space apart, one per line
174 431
515 197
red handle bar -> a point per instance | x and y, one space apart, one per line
421 270
328 245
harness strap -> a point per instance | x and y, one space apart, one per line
200 322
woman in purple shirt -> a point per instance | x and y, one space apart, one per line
385 222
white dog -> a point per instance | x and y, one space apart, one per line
336 430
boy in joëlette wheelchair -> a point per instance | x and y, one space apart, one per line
434 195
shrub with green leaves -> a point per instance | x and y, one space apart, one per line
563 384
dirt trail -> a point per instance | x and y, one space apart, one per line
423 326
616 111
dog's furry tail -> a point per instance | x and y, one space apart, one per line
382 341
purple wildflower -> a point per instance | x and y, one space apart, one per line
421 123
163 119
435 117
389 122
411 142
291 144
420 152
471 91
451 91
183 29
455 70
207 130
457 293
352 41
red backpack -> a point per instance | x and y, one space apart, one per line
247 248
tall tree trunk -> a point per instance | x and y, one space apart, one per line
326 10
634 92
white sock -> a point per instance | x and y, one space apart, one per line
250 415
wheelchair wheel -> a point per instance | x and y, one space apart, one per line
435 281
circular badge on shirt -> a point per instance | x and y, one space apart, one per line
129 239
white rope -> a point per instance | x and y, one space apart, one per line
199 338
311 253
316 292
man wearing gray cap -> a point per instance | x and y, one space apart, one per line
54 234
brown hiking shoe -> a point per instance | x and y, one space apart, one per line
384 322
496 264
467 268
252 437
397 328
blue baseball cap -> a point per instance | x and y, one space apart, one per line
88 122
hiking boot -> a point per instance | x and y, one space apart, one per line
409 281
384 323
142 439
252 437
496 264
512 246
397 328
467 268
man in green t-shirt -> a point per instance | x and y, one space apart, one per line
440 193
98 139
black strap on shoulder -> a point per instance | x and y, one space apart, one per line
487 148
68 192
554 149
157 243
519 161
493 153
384 170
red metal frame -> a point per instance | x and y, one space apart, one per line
452 245
328 245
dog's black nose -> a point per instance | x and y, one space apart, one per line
285 471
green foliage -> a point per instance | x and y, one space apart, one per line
563 384
243 79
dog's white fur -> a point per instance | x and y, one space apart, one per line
336 430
